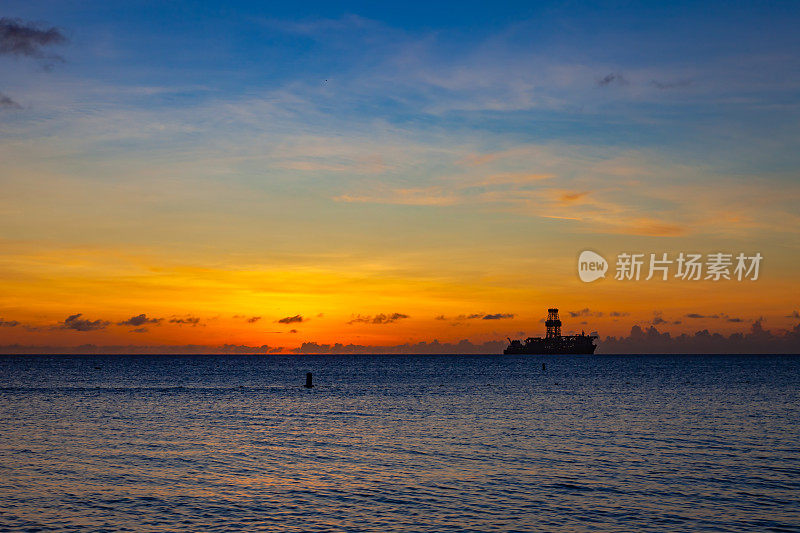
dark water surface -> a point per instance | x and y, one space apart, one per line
400 443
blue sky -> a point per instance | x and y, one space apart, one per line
528 72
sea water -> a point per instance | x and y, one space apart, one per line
400 443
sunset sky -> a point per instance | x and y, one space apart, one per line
273 174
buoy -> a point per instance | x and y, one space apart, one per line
308 380
544 367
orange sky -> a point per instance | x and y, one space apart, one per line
387 169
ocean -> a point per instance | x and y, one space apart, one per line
400 443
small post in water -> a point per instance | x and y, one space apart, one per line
308 380
544 367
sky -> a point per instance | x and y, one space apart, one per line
283 177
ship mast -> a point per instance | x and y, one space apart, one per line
553 324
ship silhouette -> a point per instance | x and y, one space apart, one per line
553 342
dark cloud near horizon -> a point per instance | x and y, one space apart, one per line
614 77
131 349
190 320
757 340
382 318
291 319
8 323
480 316
639 341
75 322
715 316
253 319
27 39
434 347
498 316
139 320
587 312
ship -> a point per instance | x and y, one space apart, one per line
553 342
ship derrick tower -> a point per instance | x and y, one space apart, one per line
553 324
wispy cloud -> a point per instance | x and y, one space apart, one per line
188 320
588 312
498 316
28 39
382 318
479 316
7 103
612 78
677 84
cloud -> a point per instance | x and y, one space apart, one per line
434 347
7 103
671 84
8 323
757 340
253 319
381 318
479 316
618 313
139 320
608 79
291 319
191 320
26 39
588 194
140 330
81 324
498 316
572 197
140 349
715 316
588 312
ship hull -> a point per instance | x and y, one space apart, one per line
560 345
524 350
